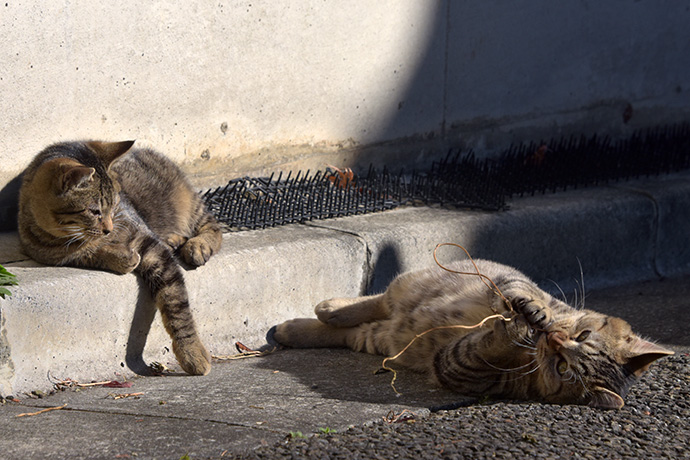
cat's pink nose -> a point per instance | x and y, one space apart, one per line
556 339
107 225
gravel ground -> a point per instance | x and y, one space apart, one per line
654 423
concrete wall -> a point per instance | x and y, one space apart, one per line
230 88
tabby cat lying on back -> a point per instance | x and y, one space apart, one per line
87 204
549 351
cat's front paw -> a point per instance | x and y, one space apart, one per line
132 262
196 251
175 241
535 311
193 357
124 262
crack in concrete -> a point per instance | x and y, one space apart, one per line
163 417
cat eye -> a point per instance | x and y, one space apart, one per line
78 211
562 366
96 212
584 335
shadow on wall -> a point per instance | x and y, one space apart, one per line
144 315
413 135
492 75
386 267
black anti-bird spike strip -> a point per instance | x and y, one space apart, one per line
458 180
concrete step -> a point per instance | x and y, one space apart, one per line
87 324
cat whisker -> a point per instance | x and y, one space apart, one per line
577 377
575 295
77 235
528 346
533 370
565 299
519 376
509 370
582 285
74 239
572 378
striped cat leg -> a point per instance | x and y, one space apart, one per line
164 277
348 312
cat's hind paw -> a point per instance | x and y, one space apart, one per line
308 333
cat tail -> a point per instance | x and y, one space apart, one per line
165 279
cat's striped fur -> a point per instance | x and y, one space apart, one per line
108 206
548 350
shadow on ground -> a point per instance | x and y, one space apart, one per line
345 375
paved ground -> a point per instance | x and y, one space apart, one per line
261 408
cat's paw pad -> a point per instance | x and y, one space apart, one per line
196 251
193 357
535 312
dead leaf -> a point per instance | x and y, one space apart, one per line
342 178
242 348
116 384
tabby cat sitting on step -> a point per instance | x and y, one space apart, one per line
108 206
547 351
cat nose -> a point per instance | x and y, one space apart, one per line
556 339
107 225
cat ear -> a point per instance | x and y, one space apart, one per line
642 353
110 151
75 176
605 399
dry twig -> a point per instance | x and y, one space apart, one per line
43 411
68 383
124 395
483 277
